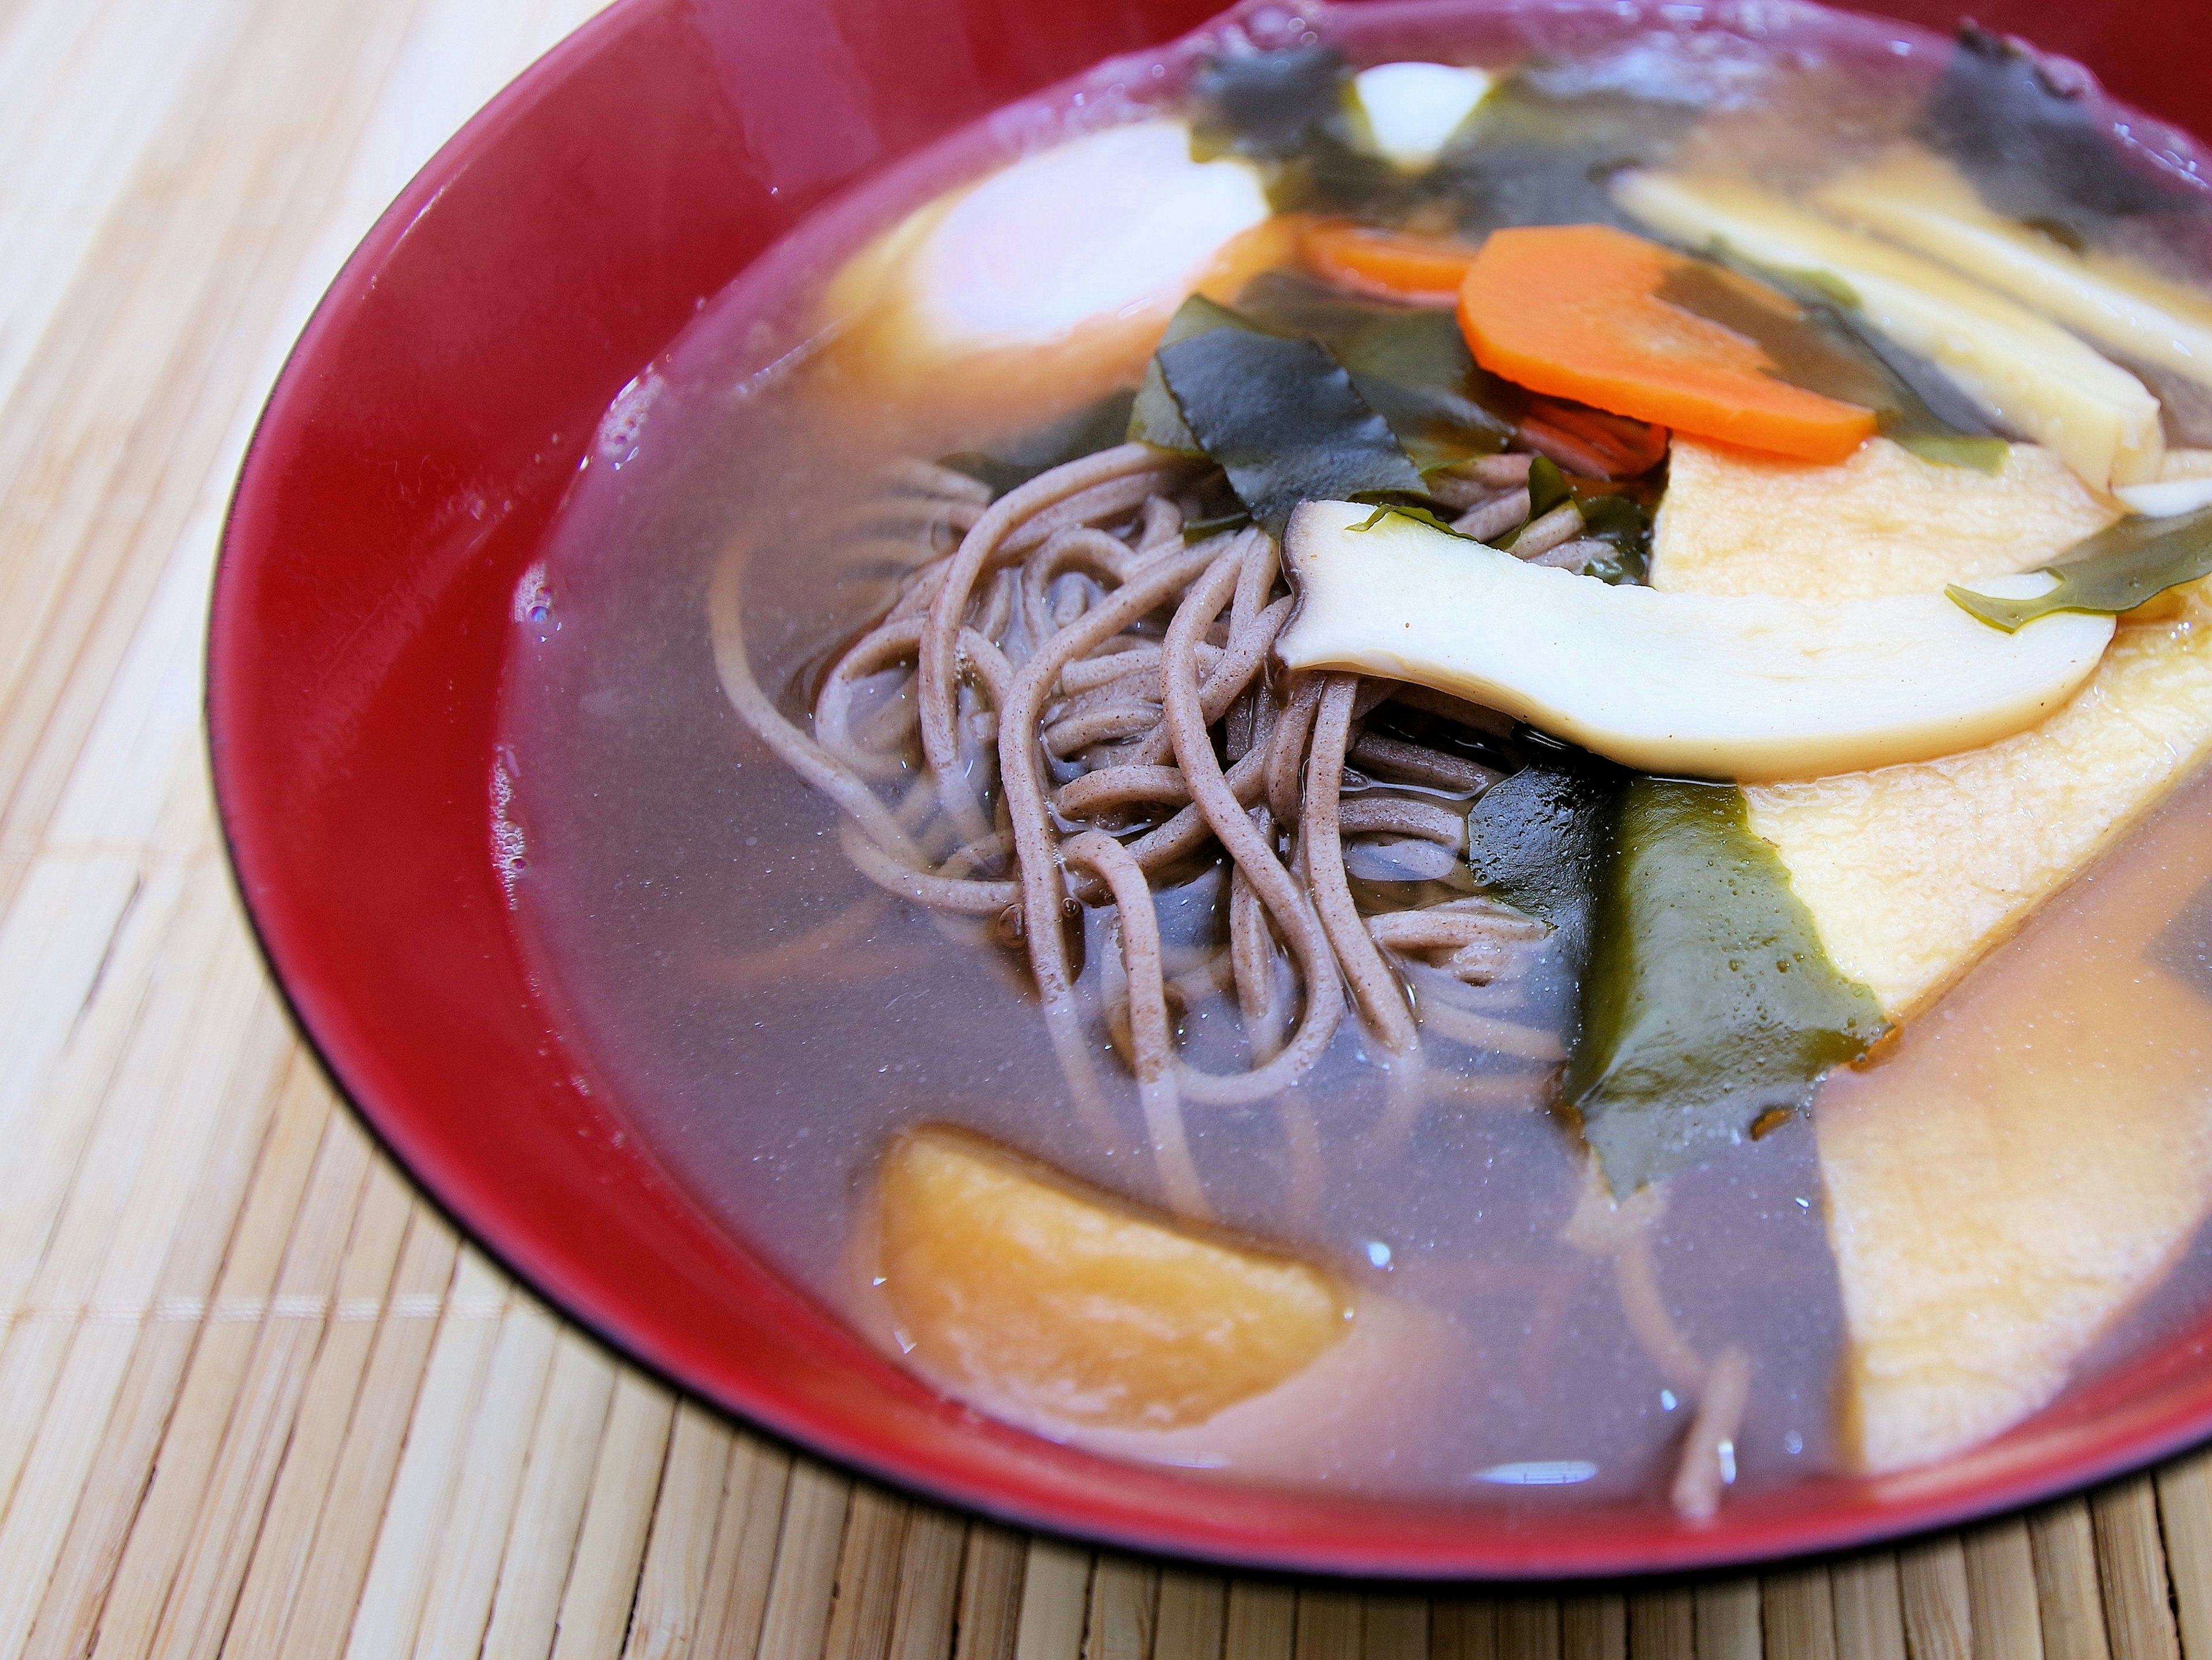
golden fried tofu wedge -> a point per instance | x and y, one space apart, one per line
2030 1161
1882 522
1989 1220
1913 872
1017 1288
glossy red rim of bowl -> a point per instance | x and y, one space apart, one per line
407 464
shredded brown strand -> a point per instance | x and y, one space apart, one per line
1448 927
1488 1032
983 661
929 478
1187 831
968 899
1562 523
1245 655
1457 710
1431 821
1512 1091
1151 1048
1120 787
1079 548
1021 668
1286 750
1092 672
794 748
1099 726
1286 903
1417 764
1042 888
1024 509
1161 526
1381 997
1491 518
1708 1463
1253 957
923 589
1102 502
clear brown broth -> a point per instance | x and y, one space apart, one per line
674 883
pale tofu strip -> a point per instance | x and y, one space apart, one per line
1921 201
2026 371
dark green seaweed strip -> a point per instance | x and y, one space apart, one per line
1827 349
1154 418
1017 460
2040 146
1282 419
1539 839
1543 147
1707 1001
2115 570
1290 112
1410 363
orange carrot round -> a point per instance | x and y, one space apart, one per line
1574 311
1396 265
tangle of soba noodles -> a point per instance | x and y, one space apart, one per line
1067 663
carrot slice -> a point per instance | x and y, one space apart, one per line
1573 311
1393 264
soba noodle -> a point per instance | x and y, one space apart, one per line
1078 704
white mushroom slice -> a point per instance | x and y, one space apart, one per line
1744 686
1915 198
2026 371
1414 109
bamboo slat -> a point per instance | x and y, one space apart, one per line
256 1399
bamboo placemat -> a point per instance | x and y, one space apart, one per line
256 1399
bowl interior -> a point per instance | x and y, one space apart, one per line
401 482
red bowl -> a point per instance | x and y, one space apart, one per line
402 475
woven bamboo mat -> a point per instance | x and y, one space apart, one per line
256 1399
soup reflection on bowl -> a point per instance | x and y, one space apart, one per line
1441 758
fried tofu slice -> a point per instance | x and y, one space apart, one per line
2038 1149
2028 1164
1882 522
1913 871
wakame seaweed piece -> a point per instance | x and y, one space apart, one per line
1624 527
1419 516
1538 839
2037 145
1154 417
1707 1001
1283 419
1535 154
1824 349
1199 529
1953 450
2117 570
1290 111
2183 947
1017 460
1411 364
